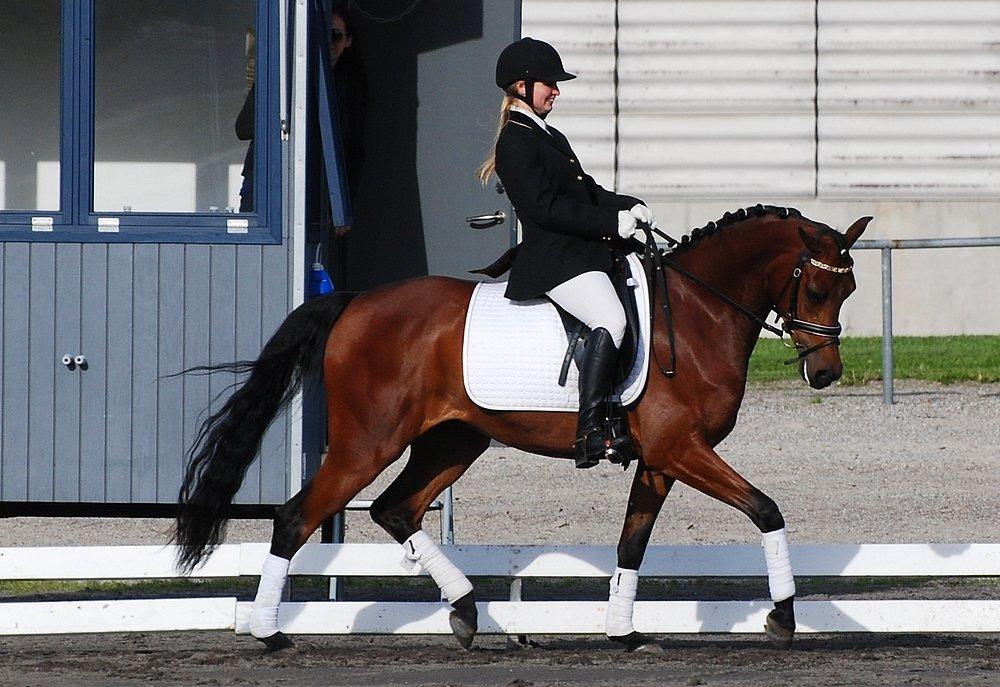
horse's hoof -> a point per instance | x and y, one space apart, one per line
779 635
464 620
279 641
633 641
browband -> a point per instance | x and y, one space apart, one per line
829 268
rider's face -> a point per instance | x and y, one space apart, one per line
543 95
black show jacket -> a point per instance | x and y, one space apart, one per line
568 221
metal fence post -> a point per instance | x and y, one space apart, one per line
333 533
887 371
516 586
447 519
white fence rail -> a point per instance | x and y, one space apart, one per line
506 617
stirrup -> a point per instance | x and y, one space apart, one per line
621 451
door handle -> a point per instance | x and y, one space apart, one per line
487 221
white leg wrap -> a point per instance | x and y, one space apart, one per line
618 619
264 616
779 567
420 549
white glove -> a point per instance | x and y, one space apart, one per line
643 214
626 224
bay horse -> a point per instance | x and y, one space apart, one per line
391 360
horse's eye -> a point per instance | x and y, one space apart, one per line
815 296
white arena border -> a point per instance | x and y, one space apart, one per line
501 617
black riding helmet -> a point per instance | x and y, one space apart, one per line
530 60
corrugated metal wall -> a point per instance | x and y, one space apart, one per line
117 431
718 98
584 33
909 98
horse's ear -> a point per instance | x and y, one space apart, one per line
813 243
855 231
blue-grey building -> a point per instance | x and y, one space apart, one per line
125 256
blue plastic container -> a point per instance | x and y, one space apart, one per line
319 281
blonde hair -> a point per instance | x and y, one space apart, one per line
489 166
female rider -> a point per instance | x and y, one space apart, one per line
569 224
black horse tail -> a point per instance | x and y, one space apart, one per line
229 440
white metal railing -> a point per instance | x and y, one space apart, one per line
502 617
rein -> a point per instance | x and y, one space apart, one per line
789 322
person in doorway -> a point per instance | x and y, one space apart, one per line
351 89
570 225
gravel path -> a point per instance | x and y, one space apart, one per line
842 467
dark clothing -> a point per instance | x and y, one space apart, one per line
351 88
568 221
244 132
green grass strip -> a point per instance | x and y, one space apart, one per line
944 359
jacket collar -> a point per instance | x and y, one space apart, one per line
550 135
523 110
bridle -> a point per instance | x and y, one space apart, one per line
790 321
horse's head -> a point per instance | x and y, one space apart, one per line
810 300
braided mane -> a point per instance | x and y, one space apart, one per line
729 219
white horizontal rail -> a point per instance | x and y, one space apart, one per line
655 617
498 617
523 617
131 615
373 560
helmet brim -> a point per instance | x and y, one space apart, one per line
561 76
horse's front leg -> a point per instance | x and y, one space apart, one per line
649 489
699 466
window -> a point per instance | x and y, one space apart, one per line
140 121
29 110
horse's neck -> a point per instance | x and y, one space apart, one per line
737 263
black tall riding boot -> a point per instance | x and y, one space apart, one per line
596 375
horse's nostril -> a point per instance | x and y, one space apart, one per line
823 378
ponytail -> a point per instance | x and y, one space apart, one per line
487 169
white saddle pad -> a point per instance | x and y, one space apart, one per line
513 351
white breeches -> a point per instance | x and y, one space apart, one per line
590 298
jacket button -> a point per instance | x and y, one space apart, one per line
579 178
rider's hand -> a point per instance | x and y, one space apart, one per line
643 214
626 224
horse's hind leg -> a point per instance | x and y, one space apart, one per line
348 468
437 459
701 467
649 489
